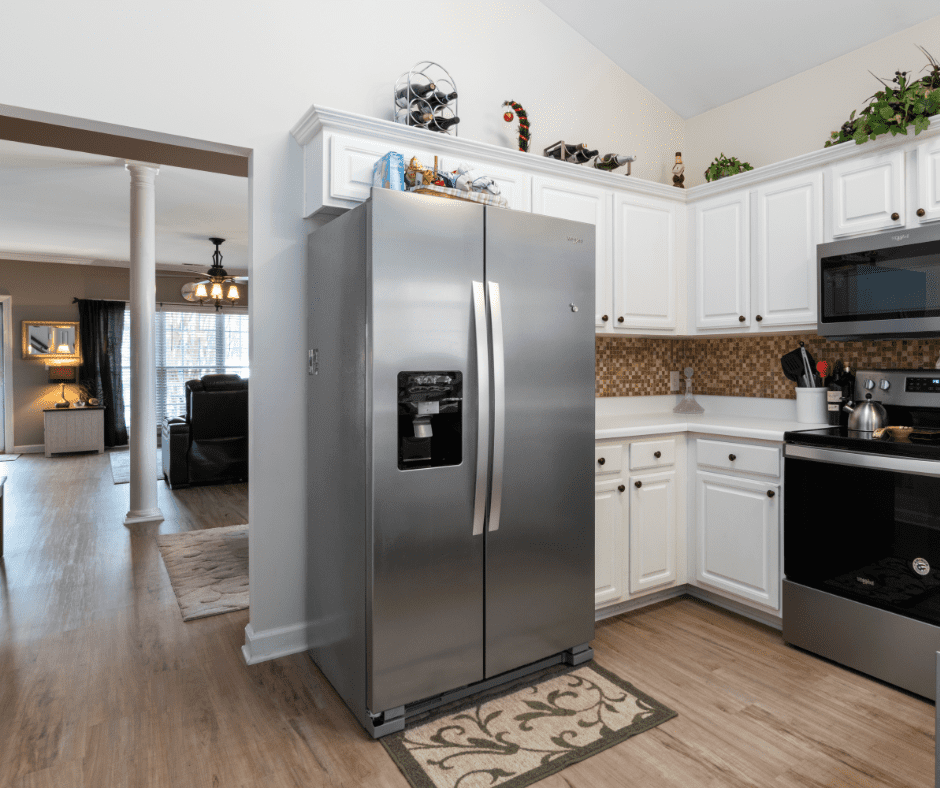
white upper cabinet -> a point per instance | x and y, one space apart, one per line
789 226
722 262
582 203
644 263
868 194
928 182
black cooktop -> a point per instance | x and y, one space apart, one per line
916 443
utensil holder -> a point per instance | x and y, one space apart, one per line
811 406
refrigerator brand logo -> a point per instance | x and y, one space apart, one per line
865 581
901 237
575 240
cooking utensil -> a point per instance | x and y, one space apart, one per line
793 366
807 364
867 416
822 367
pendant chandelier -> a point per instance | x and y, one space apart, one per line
218 287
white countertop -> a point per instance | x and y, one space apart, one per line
760 421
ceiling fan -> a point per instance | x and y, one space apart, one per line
218 286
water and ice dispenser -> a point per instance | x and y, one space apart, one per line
430 412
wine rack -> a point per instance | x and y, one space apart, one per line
426 96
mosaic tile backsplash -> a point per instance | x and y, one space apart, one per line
746 366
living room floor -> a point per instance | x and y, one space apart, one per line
102 684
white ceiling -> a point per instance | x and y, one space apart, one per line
695 56
64 206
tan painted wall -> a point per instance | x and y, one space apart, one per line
44 291
796 115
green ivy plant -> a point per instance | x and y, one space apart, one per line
722 167
903 102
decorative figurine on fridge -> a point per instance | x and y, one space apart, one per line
523 123
678 172
470 180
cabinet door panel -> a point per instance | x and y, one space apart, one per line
644 263
737 537
609 522
866 193
652 531
582 203
928 174
789 226
722 262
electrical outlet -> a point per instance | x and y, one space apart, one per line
674 384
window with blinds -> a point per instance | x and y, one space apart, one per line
189 345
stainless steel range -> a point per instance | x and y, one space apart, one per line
862 535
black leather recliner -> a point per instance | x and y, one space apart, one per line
209 445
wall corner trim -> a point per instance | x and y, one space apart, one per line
274 643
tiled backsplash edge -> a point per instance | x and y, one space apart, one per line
745 366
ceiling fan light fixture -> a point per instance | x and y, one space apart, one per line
232 293
216 291
201 291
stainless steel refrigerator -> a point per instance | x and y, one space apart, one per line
450 450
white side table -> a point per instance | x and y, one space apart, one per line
74 429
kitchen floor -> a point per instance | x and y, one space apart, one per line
102 684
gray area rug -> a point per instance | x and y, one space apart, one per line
121 466
517 736
208 569
8 457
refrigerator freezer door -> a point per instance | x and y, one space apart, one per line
540 561
425 582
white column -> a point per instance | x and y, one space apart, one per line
143 436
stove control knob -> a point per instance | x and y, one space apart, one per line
885 385
869 384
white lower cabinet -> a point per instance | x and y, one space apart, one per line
737 537
652 545
610 515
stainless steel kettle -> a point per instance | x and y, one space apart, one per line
867 416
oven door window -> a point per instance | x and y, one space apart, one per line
889 284
868 535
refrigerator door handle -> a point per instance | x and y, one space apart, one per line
499 405
483 407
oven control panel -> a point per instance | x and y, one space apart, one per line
909 387
929 385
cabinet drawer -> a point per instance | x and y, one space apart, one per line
743 457
607 459
652 454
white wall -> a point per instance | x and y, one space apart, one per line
243 74
796 115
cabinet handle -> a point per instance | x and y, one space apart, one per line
605 318
622 488
620 319
601 461
657 454
732 457
759 318
741 318
921 212
895 216
771 493
637 484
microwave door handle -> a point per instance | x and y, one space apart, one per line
483 407
499 405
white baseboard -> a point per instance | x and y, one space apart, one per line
36 448
274 643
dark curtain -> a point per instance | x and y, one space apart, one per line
101 329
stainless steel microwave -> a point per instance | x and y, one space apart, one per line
881 286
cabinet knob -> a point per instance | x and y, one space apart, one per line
657 454
732 457
921 212
741 318
605 318
895 216
601 461
620 319
637 484
771 493
759 318
622 488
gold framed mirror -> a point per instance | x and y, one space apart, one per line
52 341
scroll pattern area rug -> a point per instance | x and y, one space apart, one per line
121 466
208 569
516 737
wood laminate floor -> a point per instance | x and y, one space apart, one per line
102 684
